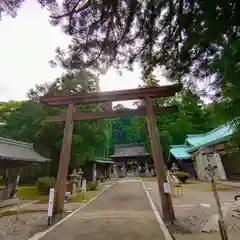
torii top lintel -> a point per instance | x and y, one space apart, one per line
110 96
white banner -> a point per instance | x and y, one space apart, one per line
166 187
84 185
50 202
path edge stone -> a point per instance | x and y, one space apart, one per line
159 219
40 235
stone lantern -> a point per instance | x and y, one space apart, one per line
79 178
73 178
174 168
147 173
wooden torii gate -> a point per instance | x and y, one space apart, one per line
107 98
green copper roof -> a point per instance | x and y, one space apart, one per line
180 151
103 160
220 134
197 141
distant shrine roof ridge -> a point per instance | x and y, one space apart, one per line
14 142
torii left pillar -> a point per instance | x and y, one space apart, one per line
64 161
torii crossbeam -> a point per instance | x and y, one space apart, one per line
107 98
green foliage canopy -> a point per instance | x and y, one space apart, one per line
24 121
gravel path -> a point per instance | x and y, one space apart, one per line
27 225
195 209
122 213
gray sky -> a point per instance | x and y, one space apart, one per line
28 42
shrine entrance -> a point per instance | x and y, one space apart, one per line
130 159
145 94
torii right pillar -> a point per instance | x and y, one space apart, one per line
166 201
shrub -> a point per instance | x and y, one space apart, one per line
44 184
92 186
182 176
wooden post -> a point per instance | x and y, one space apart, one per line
167 208
15 181
64 161
10 180
108 106
221 223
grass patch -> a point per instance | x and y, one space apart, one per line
30 193
148 178
77 199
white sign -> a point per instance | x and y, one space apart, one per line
84 185
166 187
94 172
18 178
50 202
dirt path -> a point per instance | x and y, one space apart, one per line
122 213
